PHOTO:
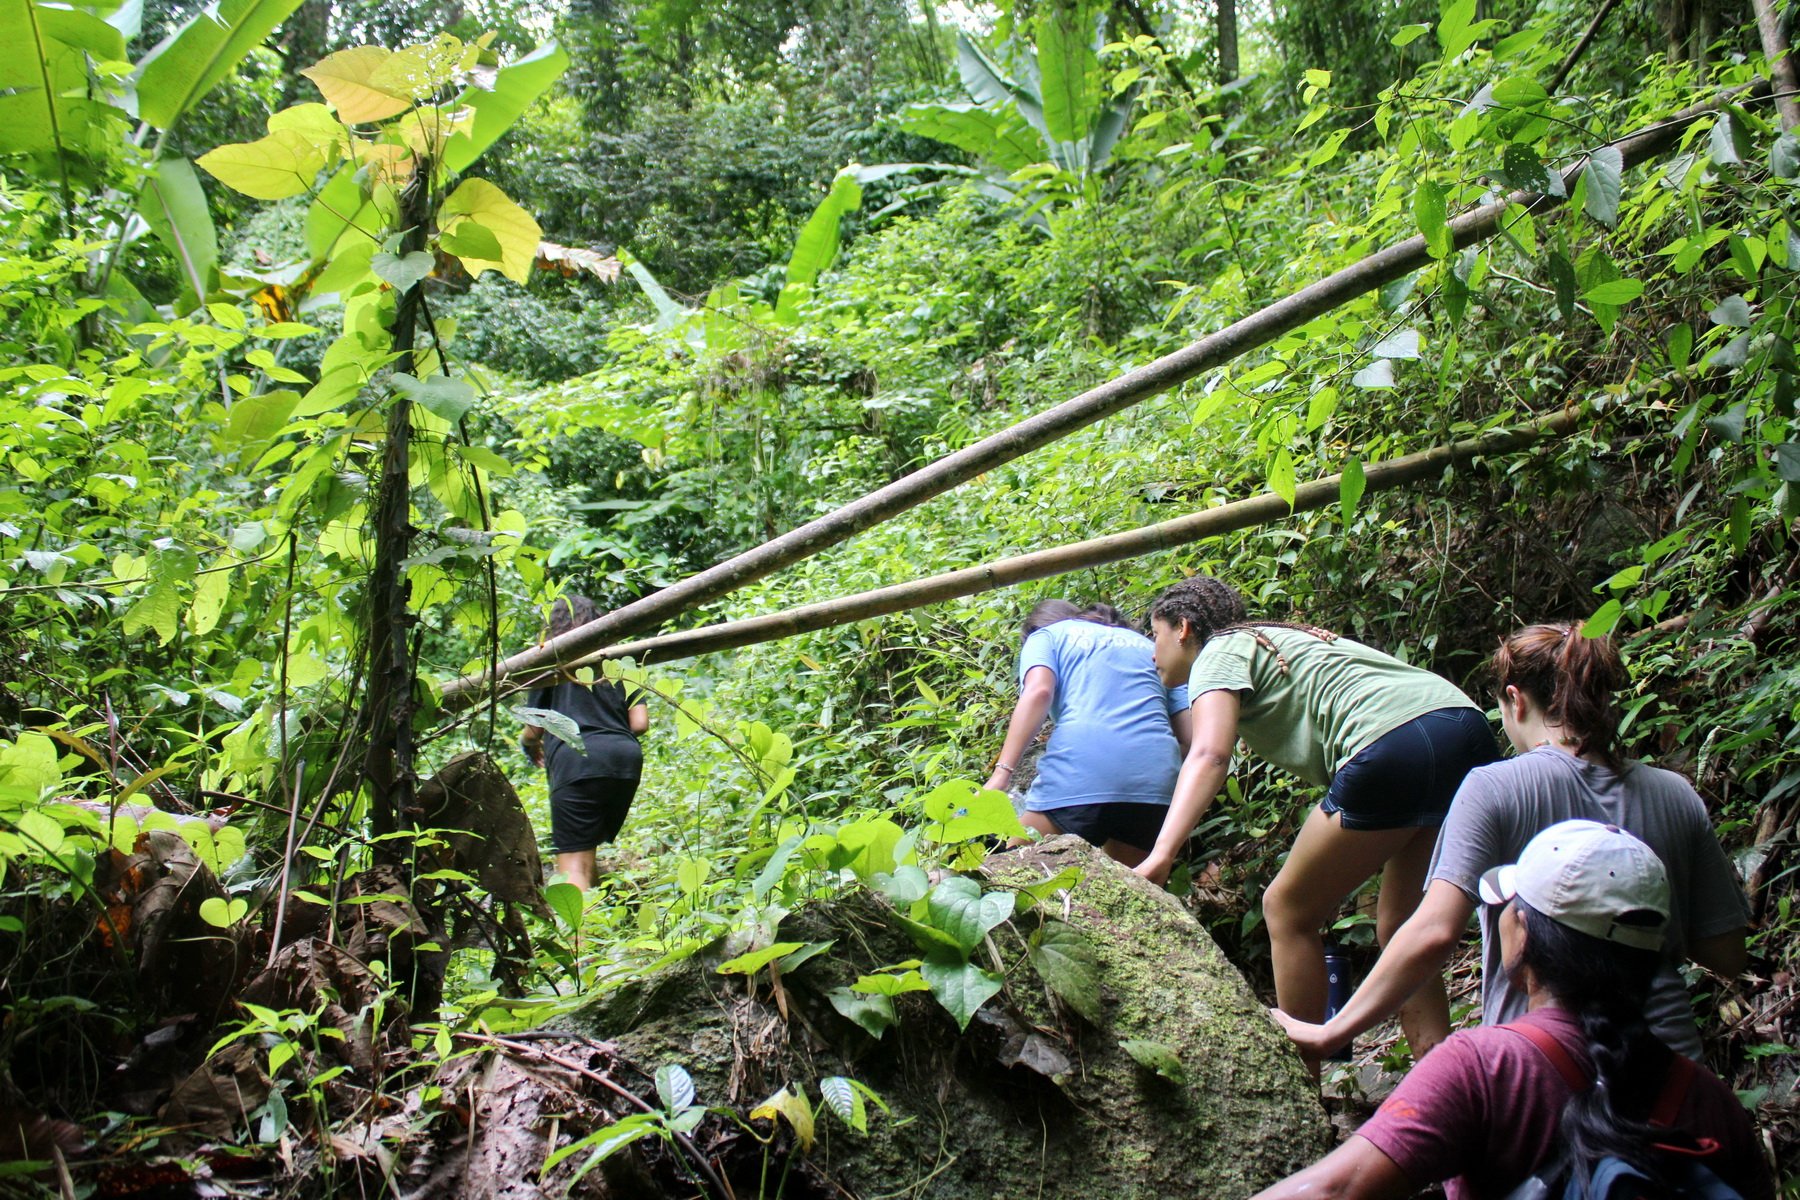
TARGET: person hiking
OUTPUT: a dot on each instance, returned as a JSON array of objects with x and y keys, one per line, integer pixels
[
  {"x": 1555, "y": 690},
  {"x": 1579, "y": 1086},
  {"x": 590, "y": 792},
  {"x": 1389, "y": 742},
  {"x": 1118, "y": 733}
]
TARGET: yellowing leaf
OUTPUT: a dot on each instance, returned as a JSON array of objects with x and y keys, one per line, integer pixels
[
  {"x": 313, "y": 121},
  {"x": 795, "y": 1109},
  {"x": 512, "y": 227},
  {"x": 427, "y": 129},
  {"x": 389, "y": 163},
  {"x": 345, "y": 80},
  {"x": 419, "y": 71},
  {"x": 272, "y": 168}
]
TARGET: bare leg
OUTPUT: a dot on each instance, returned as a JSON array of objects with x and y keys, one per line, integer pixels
[
  {"x": 1327, "y": 863},
  {"x": 1124, "y": 852},
  {"x": 1426, "y": 1016},
  {"x": 1041, "y": 822},
  {"x": 578, "y": 868}
]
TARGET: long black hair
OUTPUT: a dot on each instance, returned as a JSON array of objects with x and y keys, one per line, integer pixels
[
  {"x": 1049, "y": 612},
  {"x": 1603, "y": 985}
]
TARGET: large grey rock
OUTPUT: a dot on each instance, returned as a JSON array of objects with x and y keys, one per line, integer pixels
[{"x": 971, "y": 1117}]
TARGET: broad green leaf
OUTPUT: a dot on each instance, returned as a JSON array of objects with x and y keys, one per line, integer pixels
[
  {"x": 1614, "y": 291},
  {"x": 1520, "y": 91},
  {"x": 1722, "y": 142},
  {"x": 221, "y": 913},
  {"x": 674, "y": 1087},
  {"x": 1733, "y": 311},
  {"x": 873, "y": 1014},
  {"x": 817, "y": 244},
  {"x": 1604, "y": 174},
  {"x": 480, "y": 201},
  {"x": 756, "y": 960},
  {"x": 1066, "y": 960},
  {"x": 285, "y": 163},
  {"x": 346, "y": 78},
  {"x": 1281, "y": 476},
  {"x": 890, "y": 984},
  {"x": 906, "y": 885},
  {"x": 1430, "y": 207},
  {"x": 1787, "y": 461},
  {"x": 1605, "y": 618},
  {"x": 607, "y": 1141},
  {"x": 845, "y": 1102},
  {"x": 1000, "y": 137},
  {"x": 1350, "y": 488},
  {"x": 1523, "y": 169},
  {"x": 1320, "y": 406},
  {"x": 1680, "y": 344},
  {"x": 402, "y": 273},
  {"x": 869, "y": 846},
  {"x": 194, "y": 59},
  {"x": 443, "y": 395},
  {"x": 212, "y": 588},
  {"x": 961, "y": 987},
  {"x": 1068, "y": 71},
  {"x": 559, "y": 725},
  {"x": 691, "y": 874},
  {"x": 1409, "y": 34},
  {"x": 966, "y": 811},
  {"x": 1562, "y": 283},
  {"x": 1454, "y": 17},
  {"x": 44, "y": 86},
  {"x": 1784, "y": 157},
  {"x": 174, "y": 204},
  {"x": 516, "y": 87},
  {"x": 160, "y": 606},
  {"x": 565, "y": 901},
  {"x": 959, "y": 908},
  {"x": 1156, "y": 1056},
  {"x": 471, "y": 240},
  {"x": 42, "y": 833},
  {"x": 28, "y": 769},
  {"x": 1041, "y": 891},
  {"x": 256, "y": 419}
]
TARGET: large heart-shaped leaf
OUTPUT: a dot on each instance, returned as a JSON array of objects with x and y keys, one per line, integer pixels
[
  {"x": 960, "y": 986},
  {"x": 1065, "y": 959},
  {"x": 959, "y": 908}
]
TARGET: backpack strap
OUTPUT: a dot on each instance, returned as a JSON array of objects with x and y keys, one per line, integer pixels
[
  {"x": 1675, "y": 1090},
  {"x": 1558, "y": 1054}
]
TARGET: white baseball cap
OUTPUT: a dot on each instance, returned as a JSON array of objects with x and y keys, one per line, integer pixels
[{"x": 1589, "y": 877}]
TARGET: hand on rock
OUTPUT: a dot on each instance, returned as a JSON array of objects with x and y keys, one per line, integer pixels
[
  {"x": 1310, "y": 1038},
  {"x": 1155, "y": 869}
]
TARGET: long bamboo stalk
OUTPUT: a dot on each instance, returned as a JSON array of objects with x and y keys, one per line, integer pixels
[
  {"x": 1077, "y": 556},
  {"x": 1214, "y": 350}
]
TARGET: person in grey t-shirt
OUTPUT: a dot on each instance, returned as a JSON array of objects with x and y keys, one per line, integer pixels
[{"x": 1555, "y": 692}]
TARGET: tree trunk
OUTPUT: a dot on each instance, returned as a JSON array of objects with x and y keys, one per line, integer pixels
[
  {"x": 1228, "y": 41},
  {"x": 388, "y": 708},
  {"x": 1781, "y": 63},
  {"x": 1078, "y": 556},
  {"x": 1239, "y": 338}
]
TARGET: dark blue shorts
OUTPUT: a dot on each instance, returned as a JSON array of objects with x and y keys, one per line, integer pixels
[
  {"x": 585, "y": 813},
  {"x": 1406, "y": 777},
  {"x": 1134, "y": 824}
]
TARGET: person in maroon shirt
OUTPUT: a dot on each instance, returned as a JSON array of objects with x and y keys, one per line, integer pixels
[{"x": 1491, "y": 1107}]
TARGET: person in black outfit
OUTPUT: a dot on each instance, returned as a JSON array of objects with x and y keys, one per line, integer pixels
[{"x": 589, "y": 794}]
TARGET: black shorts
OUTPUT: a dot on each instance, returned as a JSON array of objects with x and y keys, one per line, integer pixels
[
  {"x": 1407, "y": 776},
  {"x": 587, "y": 812},
  {"x": 1134, "y": 824}
]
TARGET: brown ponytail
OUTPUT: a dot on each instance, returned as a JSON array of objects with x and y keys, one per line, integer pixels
[{"x": 1572, "y": 678}]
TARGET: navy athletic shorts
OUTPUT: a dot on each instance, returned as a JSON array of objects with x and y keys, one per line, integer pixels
[
  {"x": 587, "y": 812},
  {"x": 1407, "y": 776},
  {"x": 1134, "y": 824}
]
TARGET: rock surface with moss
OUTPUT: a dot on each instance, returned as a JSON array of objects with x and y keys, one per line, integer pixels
[{"x": 1032, "y": 1095}]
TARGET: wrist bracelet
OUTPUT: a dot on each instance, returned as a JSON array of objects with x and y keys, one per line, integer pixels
[{"x": 1003, "y": 767}]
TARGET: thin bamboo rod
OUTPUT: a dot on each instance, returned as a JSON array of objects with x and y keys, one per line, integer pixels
[
  {"x": 1077, "y": 556},
  {"x": 1154, "y": 378}
]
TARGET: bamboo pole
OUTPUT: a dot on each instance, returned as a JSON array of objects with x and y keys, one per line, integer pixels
[
  {"x": 1154, "y": 378},
  {"x": 1060, "y": 560}
]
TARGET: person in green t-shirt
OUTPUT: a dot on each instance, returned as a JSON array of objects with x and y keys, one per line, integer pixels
[{"x": 1389, "y": 742}]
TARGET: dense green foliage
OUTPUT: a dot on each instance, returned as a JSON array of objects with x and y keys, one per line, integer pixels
[{"x": 852, "y": 240}]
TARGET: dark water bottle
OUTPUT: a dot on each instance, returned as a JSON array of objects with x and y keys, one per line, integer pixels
[{"x": 1338, "y": 986}]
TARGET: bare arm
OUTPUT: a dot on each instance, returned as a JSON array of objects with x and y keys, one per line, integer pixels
[
  {"x": 532, "y": 738},
  {"x": 1181, "y": 724},
  {"x": 1027, "y": 718},
  {"x": 1417, "y": 949},
  {"x": 1215, "y": 718},
  {"x": 1723, "y": 953},
  {"x": 637, "y": 718},
  {"x": 1356, "y": 1170}
]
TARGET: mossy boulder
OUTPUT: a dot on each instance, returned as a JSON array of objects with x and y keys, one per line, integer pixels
[{"x": 1032, "y": 1099}]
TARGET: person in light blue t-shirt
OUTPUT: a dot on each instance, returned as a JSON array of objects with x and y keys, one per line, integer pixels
[{"x": 1119, "y": 734}]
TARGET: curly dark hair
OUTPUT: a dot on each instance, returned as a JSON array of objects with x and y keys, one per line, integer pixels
[{"x": 1208, "y": 605}]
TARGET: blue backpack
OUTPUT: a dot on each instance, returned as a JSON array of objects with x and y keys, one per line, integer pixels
[{"x": 1612, "y": 1178}]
